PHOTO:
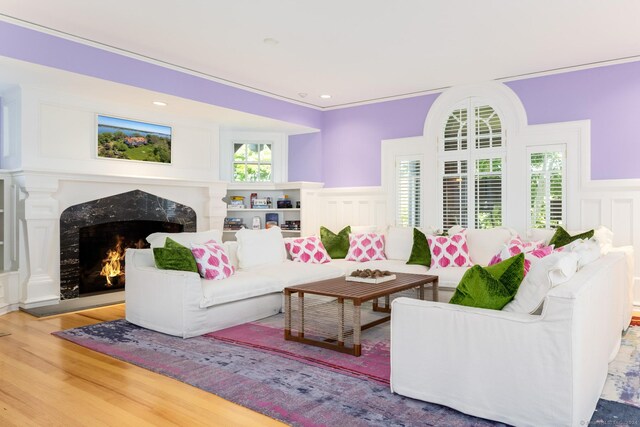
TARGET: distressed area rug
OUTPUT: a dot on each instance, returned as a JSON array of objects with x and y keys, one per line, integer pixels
[{"x": 294, "y": 391}]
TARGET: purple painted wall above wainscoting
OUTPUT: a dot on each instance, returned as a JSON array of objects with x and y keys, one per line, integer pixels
[
  {"x": 608, "y": 96},
  {"x": 351, "y": 138},
  {"x": 40, "y": 48}
]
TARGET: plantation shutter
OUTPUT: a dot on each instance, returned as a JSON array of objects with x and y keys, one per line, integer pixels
[
  {"x": 454, "y": 193},
  {"x": 546, "y": 188},
  {"x": 472, "y": 158},
  {"x": 408, "y": 192},
  {"x": 488, "y": 193}
]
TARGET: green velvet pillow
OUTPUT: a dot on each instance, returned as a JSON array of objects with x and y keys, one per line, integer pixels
[
  {"x": 561, "y": 237},
  {"x": 490, "y": 287},
  {"x": 337, "y": 245},
  {"x": 420, "y": 253},
  {"x": 174, "y": 256}
]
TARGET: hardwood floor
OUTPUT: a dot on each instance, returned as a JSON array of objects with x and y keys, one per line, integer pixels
[{"x": 45, "y": 380}]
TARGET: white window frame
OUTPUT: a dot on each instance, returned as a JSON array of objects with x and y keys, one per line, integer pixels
[
  {"x": 413, "y": 148},
  {"x": 547, "y": 149},
  {"x": 279, "y": 153},
  {"x": 471, "y": 155}
]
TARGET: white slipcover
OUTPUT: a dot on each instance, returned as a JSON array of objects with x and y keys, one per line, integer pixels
[{"x": 521, "y": 369}]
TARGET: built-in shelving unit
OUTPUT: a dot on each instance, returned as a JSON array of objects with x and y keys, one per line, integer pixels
[{"x": 297, "y": 192}]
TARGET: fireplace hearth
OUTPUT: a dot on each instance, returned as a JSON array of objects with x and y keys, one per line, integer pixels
[{"x": 95, "y": 235}]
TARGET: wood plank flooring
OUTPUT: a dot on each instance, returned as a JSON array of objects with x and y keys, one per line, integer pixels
[{"x": 45, "y": 380}]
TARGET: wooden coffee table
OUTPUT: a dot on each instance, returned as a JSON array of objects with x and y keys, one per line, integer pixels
[{"x": 357, "y": 293}]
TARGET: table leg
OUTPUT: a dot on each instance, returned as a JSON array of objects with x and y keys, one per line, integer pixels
[
  {"x": 435, "y": 290},
  {"x": 287, "y": 314},
  {"x": 421, "y": 292},
  {"x": 387, "y": 302},
  {"x": 356, "y": 329},
  {"x": 301, "y": 308},
  {"x": 341, "y": 322}
]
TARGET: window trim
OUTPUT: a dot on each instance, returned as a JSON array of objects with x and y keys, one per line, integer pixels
[{"x": 547, "y": 148}]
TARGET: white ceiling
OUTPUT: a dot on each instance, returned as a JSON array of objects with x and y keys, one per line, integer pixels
[{"x": 355, "y": 50}]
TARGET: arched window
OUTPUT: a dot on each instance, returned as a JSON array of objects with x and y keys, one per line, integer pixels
[{"x": 471, "y": 166}]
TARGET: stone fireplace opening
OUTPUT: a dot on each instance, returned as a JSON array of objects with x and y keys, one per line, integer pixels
[
  {"x": 95, "y": 235},
  {"x": 102, "y": 248}
]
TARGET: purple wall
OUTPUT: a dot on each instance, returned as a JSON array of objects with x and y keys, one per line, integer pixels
[
  {"x": 305, "y": 157},
  {"x": 45, "y": 49},
  {"x": 608, "y": 96},
  {"x": 351, "y": 138},
  {"x": 347, "y": 151}
]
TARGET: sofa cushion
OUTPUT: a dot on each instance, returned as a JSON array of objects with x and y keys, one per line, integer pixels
[
  {"x": 562, "y": 238},
  {"x": 291, "y": 273},
  {"x": 260, "y": 247},
  {"x": 212, "y": 260},
  {"x": 174, "y": 256},
  {"x": 586, "y": 250},
  {"x": 544, "y": 274},
  {"x": 157, "y": 240},
  {"x": 449, "y": 251},
  {"x": 398, "y": 242},
  {"x": 420, "y": 253},
  {"x": 490, "y": 287},
  {"x": 485, "y": 243},
  {"x": 365, "y": 247},
  {"x": 337, "y": 245},
  {"x": 308, "y": 250},
  {"x": 241, "y": 285}
]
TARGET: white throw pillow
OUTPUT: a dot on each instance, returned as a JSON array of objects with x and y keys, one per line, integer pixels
[
  {"x": 156, "y": 240},
  {"x": 544, "y": 274},
  {"x": 398, "y": 243},
  {"x": 588, "y": 250},
  {"x": 485, "y": 243},
  {"x": 260, "y": 247}
]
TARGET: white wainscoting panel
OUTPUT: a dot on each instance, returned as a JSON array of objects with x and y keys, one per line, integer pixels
[{"x": 339, "y": 207}]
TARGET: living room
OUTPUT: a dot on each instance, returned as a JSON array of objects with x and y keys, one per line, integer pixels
[{"x": 304, "y": 127}]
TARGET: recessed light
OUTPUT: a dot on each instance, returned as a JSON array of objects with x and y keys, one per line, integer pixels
[
  {"x": 160, "y": 103},
  {"x": 270, "y": 41},
  {"x": 325, "y": 96},
  {"x": 303, "y": 94}
]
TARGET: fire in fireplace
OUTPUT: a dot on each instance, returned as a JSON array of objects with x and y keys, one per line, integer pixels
[{"x": 103, "y": 247}]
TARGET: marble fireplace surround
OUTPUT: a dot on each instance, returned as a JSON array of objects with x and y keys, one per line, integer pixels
[
  {"x": 43, "y": 196},
  {"x": 130, "y": 206}
]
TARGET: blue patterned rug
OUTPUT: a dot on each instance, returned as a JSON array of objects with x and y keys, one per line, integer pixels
[{"x": 294, "y": 392}]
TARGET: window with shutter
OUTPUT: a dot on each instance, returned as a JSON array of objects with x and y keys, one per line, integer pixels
[
  {"x": 546, "y": 186},
  {"x": 408, "y": 192},
  {"x": 472, "y": 156}
]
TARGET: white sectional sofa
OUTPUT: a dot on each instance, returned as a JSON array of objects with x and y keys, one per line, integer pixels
[
  {"x": 521, "y": 369},
  {"x": 183, "y": 304}
]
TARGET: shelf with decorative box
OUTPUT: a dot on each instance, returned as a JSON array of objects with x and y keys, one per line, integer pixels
[{"x": 290, "y": 205}]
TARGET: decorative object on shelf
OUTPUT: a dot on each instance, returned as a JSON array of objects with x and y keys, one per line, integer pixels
[
  {"x": 237, "y": 202},
  {"x": 233, "y": 223},
  {"x": 252, "y": 198},
  {"x": 262, "y": 203},
  {"x": 255, "y": 224},
  {"x": 370, "y": 276},
  {"x": 271, "y": 220},
  {"x": 284, "y": 204},
  {"x": 298, "y": 204},
  {"x": 291, "y": 225}
]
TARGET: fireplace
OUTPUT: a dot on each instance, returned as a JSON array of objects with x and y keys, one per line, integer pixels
[
  {"x": 102, "y": 248},
  {"x": 95, "y": 235}
]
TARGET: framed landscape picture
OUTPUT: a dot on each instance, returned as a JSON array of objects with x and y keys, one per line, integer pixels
[{"x": 132, "y": 140}]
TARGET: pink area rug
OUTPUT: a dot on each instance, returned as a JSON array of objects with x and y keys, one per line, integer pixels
[{"x": 374, "y": 363}]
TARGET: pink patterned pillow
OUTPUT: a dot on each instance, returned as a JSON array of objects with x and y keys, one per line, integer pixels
[
  {"x": 365, "y": 247},
  {"x": 308, "y": 249},
  {"x": 529, "y": 257},
  {"x": 212, "y": 260},
  {"x": 514, "y": 247},
  {"x": 449, "y": 251}
]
